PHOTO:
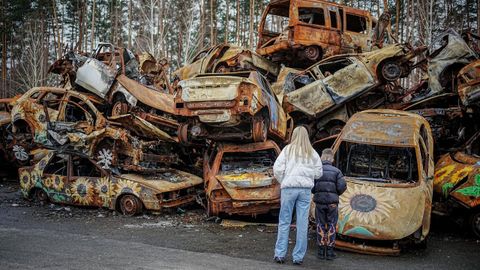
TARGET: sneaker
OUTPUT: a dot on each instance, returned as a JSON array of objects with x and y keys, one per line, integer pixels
[
  {"x": 297, "y": 262},
  {"x": 279, "y": 260}
]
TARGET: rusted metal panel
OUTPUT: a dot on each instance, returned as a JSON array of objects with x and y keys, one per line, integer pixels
[
  {"x": 239, "y": 179},
  {"x": 153, "y": 98},
  {"x": 469, "y": 83},
  {"x": 393, "y": 204},
  {"x": 226, "y": 58}
]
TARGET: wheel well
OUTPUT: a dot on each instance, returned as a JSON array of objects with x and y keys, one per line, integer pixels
[
  {"x": 32, "y": 192},
  {"x": 118, "y": 96},
  {"x": 21, "y": 126}
]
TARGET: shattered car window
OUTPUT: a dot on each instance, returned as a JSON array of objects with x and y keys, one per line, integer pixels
[
  {"x": 84, "y": 167},
  {"x": 51, "y": 100},
  {"x": 58, "y": 165},
  {"x": 276, "y": 23},
  {"x": 356, "y": 23},
  {"x": 243, "y": 162},
  {"x": 75, "y": 112},
  {"x": 378, "y": 163}
]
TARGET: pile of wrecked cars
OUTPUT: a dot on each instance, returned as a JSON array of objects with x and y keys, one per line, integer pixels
[{"x": 119, "y": 131}]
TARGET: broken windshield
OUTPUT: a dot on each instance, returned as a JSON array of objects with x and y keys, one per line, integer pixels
[
  {"x": 247, "y": 162},
  {"x": 378, "y": 163}
]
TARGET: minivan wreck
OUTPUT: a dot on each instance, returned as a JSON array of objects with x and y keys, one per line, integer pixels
[
  {"x": 305, "y": 31},
  {"x": 239, "y": 179},
  {"x": 387, "y": 159}
]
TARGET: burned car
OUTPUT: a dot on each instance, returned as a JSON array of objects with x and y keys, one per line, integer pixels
[
  {"x": 337, "y": 80},
  {"x": 226, "y": 58},
  {"x": 113, "y": 75},
  {"x": 387, "y": 159},
  {"x": 60, "y": 118},
  {"x": 457, "y": 184},
  {"x": 239, "y": 179},
  {"x": 469, "y": 83},
  {"x": 305, "y": 31},
  {"x": 77, "y": 180},
  {"x": 230, "y": 106},
  {"x": 447, "y": 55}
]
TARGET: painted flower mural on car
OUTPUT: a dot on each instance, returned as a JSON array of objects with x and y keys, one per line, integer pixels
[
  {"x": 126, "y": 186},
  {"x": 25, "y": 181},
  {"x": 103, "y": 190},
  {"x": 365, "y": 205},
  {"x": 82, "y": 191}
]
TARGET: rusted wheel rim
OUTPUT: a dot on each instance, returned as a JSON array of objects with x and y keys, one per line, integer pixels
[
  {"x": 119, "y": 108},
  {"x": 391, "y": 71},
  {"x": 129, "y": 205},
  {"x": 259, "y": 129},
  {"x": 312, "y": 53},
  {"x": 41, "y": 196}
]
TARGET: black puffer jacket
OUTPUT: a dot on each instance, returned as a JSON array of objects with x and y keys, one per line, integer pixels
[{"x": 330, "y": 186}]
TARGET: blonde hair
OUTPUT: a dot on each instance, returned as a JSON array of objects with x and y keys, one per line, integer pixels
[
  {"x": 300, "y": 146},
  {"x": 327, "y": 154}
]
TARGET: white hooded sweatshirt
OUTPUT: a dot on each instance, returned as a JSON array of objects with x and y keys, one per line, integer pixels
[{"x": 299, "y": 172}]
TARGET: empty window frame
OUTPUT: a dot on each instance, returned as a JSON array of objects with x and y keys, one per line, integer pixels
[
  {"x": 314, "y": 16},
  {"x": 356, "y": 23}
]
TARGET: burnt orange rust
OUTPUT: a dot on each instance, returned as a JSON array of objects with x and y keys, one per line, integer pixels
[
  {"x": 365, "y": 249},
  {"x": 90, "y": 135},
  {"x": 230, "y": 106},
  {"x": 224, "y": 58},
  {"x": 254, "y": 198},
  {"x": 311, "y": 38},
  {"x": 469, "y": 83},
  {"x": 395, "y": 197}
]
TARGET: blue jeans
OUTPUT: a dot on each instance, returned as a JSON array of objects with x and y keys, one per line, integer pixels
[{"x": 289, "y": 198}]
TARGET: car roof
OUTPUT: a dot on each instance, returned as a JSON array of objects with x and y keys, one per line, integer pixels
[{"x": 384, "y": 127}]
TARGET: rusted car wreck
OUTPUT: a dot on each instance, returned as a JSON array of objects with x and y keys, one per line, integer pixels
[
  {"x": 387, "y": 159},
  {"x": 230, "y": 106},
  {"x": 299, "y": 31},
  {"x": 239, "y": 179},
  {"x": 76, "y": 179}
]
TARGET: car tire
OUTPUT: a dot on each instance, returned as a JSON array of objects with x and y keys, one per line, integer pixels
[
  {"x": 474, "y": 223},
  {"x": 390, "y": 71},
  {"x": 130, "y": 205},
  {"x": 41, "y": 196}
]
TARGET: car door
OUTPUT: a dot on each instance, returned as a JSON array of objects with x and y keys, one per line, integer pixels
[
  {"x": 278, "y": 117},
  {"x": 55, "y": 179},
  {"x": 44, "y": 111},
  {"x": 88, "y": 183}
]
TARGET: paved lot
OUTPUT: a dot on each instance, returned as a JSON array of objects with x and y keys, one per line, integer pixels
[{"x": 58, "y": 237}]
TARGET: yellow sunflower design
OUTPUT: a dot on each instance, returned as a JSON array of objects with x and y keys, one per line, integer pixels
[
  {"x": 367, "y": 205},
  {"x": 57, "y": 182},
  {"x": 127, "y": 186},
  {"x": 48, "y": 182},
  {"x": 103, "y": 188},
  {"x": 25, "y": 180},
  {"x": 82, "y": 191}
]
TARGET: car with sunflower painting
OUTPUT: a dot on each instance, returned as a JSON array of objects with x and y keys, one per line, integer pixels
[
  {"x": 456, "y": 185},
  {"x": 387, "y": 159},
  {"x": 68, "y": 178}
]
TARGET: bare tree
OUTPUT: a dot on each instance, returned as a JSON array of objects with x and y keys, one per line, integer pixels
[
  {"x": 93, "y": 27},
  {"x": 250, "y": 41},
  {"x": 32, "y": 70},
  {"x": 237, "y": 27}
]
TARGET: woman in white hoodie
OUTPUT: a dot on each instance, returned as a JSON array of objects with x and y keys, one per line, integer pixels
[{"x": 295, "y": 169}]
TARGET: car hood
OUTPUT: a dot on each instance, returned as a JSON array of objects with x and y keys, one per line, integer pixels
[
  {"x": 378, "y": 212},
  {"x": 170, "y": 180},
  {"x": 250, "y": 186}
]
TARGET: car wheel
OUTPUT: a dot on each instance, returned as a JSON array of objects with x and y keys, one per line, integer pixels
[
  {"x": 475, "y": 223},
  {"x": 130, "y": 205},
  {"x": 259, "y": 129},
  {"x": 313, "y": 53},
  {"x": 391, "y": 71},
  {"x": 41, "y": 196},
  {"x": 120, "y": 107}
]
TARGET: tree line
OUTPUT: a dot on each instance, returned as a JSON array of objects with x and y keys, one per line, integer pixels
[{"x": 36, "y": 33}]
